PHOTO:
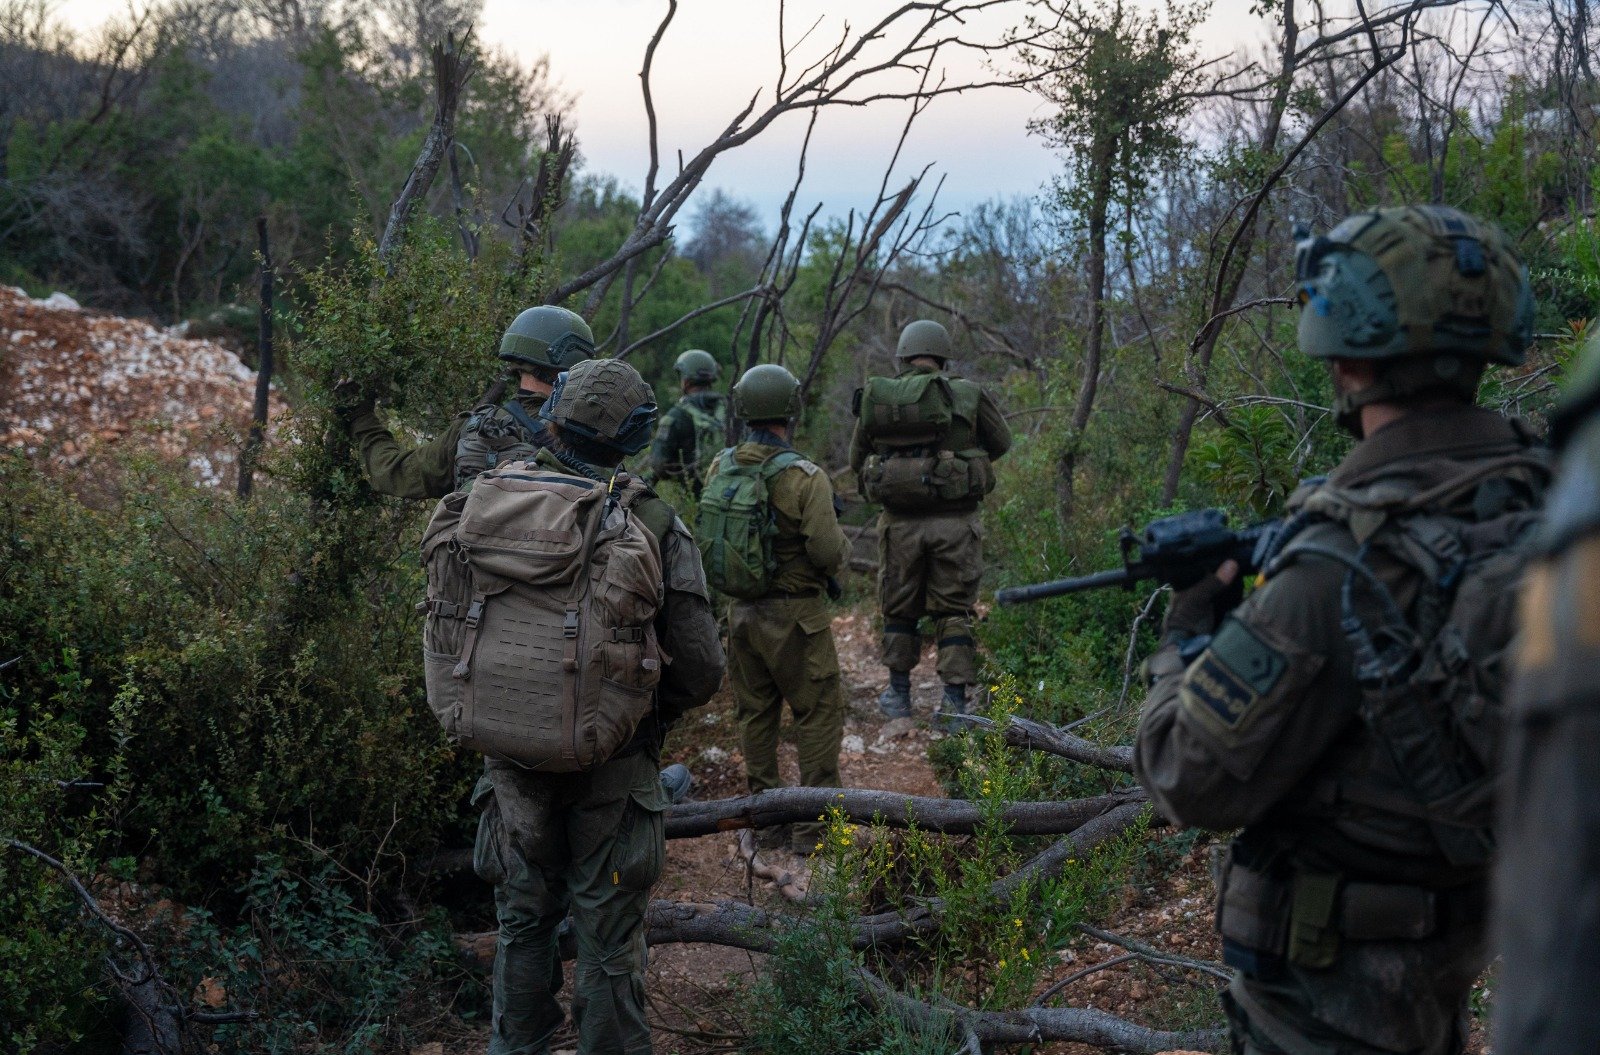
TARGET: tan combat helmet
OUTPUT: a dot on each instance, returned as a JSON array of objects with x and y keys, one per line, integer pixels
[
  {"x": 605, "y": 402},
  {"x": 1430, "y": 292}
]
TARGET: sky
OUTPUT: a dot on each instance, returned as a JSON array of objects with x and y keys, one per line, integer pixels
[{"x": 717, "y": 53}]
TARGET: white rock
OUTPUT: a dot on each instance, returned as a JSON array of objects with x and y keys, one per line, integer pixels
[
  {"x": 713, "y": 755},
  {"x": 60, "y": 300},
  {"x": 896, "y": 729},
  {"x": 852, "y": 745}
]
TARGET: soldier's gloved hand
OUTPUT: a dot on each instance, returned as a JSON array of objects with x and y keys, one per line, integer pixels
[
  {"x": 1196, "y": 610},
  {"x": 351, "y": 399},
  {"x": 835, "y": 591}
]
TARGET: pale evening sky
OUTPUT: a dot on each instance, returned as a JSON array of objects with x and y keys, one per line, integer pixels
[{"x": 717, "y": 53}]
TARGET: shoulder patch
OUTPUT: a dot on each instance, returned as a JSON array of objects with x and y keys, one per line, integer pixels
[
  {"x": 811, "y": 468},
  {"x": 1231, "y": 676}
]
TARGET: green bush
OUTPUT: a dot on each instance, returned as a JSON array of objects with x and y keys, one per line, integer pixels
[
  {"x": 320, "y": 972},
  {"x": 267, "y": 704}
]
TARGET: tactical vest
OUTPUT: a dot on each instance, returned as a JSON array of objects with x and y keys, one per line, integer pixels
[
  {"x": 539, "y": 646},
  {"x": 923, "y": 461},
  {"x": 494, "y": 435},
  {"x": 1428, "y": 608},
  {"x": 710, "y": 428}
]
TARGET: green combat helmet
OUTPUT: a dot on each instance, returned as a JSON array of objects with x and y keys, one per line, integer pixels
[
  {"x": 923, "y": 337},
  {"x": 697, "y": 367},
  {"x": 604, "y": 402},
  {"x": 766, "y": 393},
  {"x": 1426, "y": 289},
  {"x": 548, "y": 337}
]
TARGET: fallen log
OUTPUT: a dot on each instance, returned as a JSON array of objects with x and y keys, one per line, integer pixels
[
  {"x": 1036, "y": 1025},
  {"x": 742, "y": 926},
  {"x": 767, "y": 809},
  {"x": 1029, "y": 735}
]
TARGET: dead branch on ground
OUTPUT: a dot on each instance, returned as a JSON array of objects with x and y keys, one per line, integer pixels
[{"x": 768, "y": 809}]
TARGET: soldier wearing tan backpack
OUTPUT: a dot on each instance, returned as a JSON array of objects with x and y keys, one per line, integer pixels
[{"x": 567, "y": 629}]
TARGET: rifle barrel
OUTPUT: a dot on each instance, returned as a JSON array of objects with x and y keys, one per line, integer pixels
[{"x": 1039, "y": 591}]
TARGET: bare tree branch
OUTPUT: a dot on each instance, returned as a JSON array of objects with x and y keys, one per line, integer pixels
[{"x": 452, "y": 68}]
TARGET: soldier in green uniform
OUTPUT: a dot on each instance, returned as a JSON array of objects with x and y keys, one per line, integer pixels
[
  {"x": 539, "y": 344},
  {"x": 930, "y": 548},
  {"x": 780, "y": 645},
  {"x": 1547, "y": 908},
  {"x": 691, "y": 433},
  {"x": 1353, "y": 903},
  {"x": 593, "y": 842}
]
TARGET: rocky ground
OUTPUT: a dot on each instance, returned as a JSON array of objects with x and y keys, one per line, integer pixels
[{"x": 76, "y": 383}]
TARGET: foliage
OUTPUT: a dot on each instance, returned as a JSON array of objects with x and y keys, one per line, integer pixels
[
  {"x": 51, "y": 951},
  {"x": 988, "y": 951},
  {"x": 249, "y": 700},
  {"x": 317, "y": 968}
]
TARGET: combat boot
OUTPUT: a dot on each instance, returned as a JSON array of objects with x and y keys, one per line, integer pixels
[
  {"x": 676, "y": 780},
  {"x": 954, "y": 703},
  {"x": 895, "y": 701}
]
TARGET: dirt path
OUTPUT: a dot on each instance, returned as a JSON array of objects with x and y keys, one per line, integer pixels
[{"x": 694, "y": 987}]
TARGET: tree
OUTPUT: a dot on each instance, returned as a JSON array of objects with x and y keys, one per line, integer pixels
[{"x": 1121, "y": 83}]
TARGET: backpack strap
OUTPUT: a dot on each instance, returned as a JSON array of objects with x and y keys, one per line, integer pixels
[
  {"x": 520, "y": 416},
  {"x": 775, "y": 463}
]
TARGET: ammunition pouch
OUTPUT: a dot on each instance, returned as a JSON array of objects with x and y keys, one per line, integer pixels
[
  {"x": 916, "y": 480},
  {"x": 1269, "y": 919}
]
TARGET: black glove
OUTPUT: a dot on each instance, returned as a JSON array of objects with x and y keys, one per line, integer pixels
[
  {"x": 1196, "y": 610},
  {"x": 835, "y": 591},
  {"x": 351, "y": 399}
]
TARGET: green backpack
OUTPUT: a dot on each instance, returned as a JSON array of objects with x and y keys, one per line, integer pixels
[
  {"x": 734, "y": 525},
  {"x": 911, "y": 410},
  {"x": 710, "y": 428}
]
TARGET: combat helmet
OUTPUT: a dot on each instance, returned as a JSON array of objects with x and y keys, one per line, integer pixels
[
  {"x": 604, "y": 403},
  {"x": 1430, "y": 292},
  {"x": 697, "y": 367},
  {"x": 766, "y": 393},
  {"x": 547, "y": 337},
  {"x": 923, "y": 337}
]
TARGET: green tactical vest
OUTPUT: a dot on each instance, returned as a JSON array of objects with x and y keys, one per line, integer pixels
[
  {"x": 734, "y": 525},
  {"x": 494, "y": 435},
  {"x": 710, "y": 427},
  {"x": 923, "y": 428}
]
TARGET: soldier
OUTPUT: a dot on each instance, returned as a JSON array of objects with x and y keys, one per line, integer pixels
[
  {"x": 593, "y": 841},
  {"x": 1344, "y": 715},
  {"x": 922, "y": 448},
  {"x": 780, "y": 639},
  {"x": 1547, "y": 909},
  {"x": 539, "y": 344},
  {"x": 691, "y": 433}
]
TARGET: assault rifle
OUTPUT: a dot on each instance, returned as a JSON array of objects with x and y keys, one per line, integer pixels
[{"x": 1176, "y": 551}]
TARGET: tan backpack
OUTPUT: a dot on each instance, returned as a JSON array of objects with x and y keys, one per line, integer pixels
[{"x": 539, "y": 644}]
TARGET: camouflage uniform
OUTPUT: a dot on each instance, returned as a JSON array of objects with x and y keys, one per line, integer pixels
[
  {"x": 592, "y": 842},
  {"x": 1547, "y": 909},
  {"x": 1352, "y": 933},
  {"x": 491, "y": 434},
  {"x": 930, "y": 565},
  {"x": 781, "y": 646},
  {"x": 675, "y": 453}
]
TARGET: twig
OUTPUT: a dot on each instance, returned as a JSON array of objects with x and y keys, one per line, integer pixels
[
  {"x": 786, "y": 882},
  {"x": 1152, "y": 953},
  {"x": 1133, "y": 642}
]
